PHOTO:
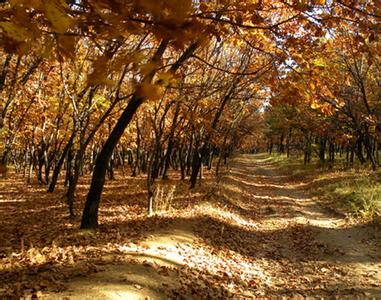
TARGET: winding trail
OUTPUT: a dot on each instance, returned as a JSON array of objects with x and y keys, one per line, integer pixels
[
  {"x": 318, "y": 243},
  {"x": 264, "y": 236}
]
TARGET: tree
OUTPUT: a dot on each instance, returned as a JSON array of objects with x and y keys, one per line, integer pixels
[{"x": 140, "y": 50}]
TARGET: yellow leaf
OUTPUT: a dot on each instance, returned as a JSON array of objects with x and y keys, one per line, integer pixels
[
  {"x": 15, "y": 32},
  {"x": 66, "y": 45},
  {"x": 319, "y": 63},
  {"x": 47, "y": 48},
  {"x": 149, "y": 91},
  {"x": 55, "y": 11},
  {"x": 179, "y": 9},
  {"x": 99, "y": 73},
  {"x": 147, "y": 68},
  {"x": 315, "y": 105},
  {"x": 165, "y": 78}
]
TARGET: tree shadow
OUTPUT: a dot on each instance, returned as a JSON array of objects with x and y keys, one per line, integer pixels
[
  {"x": 330, "y": 291},
  {"x": 319, "y": 182},
  {"x": 294, "y": 242},
  {"x": 263, "y": 204},
  {"x": 295, "y": 245},
  {"x": 127, "y": 277},
  {"x": 123, "y": 220}
]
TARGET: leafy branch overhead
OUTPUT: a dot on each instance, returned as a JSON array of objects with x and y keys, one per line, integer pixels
[{"x": 147, "y": 103}]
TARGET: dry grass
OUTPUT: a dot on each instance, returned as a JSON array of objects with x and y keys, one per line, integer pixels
[{"x": 356, "y": 191}]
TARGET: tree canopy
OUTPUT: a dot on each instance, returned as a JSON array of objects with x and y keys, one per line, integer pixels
[{"x": 85, "y": 83}]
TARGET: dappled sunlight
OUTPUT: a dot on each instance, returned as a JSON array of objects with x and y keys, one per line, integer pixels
[
  {"x": 183, "y": 149},
  {"x": 252, "y": 236},
  {"x": 11, "y": 200},
  {"x": 170, "y": 257},
  {"x": 264, "y": 184},
  {"x": 220, "y": 213},
  {"x": 124, "y": 294}
]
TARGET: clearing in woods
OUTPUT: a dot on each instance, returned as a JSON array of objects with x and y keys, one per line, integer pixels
[{"x": 259, "y": 234}]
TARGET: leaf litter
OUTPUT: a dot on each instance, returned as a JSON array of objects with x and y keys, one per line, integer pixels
[{"x": 224, "y": 244}]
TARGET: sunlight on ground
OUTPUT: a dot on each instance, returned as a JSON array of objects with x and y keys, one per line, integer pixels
[
  {"x": 167, "y": 256},
  {"x": 219, "y": 213},
  {"x": 232, "y": 187},
  {"x": 266, "y": 185},
  {"x": 111, "y": 295},
  {"x": 11, "y": 201},
  {"x": 264, "y": 236}
]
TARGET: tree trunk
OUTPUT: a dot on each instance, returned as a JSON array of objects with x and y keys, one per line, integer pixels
[
  {"x": 59, "y": 164},
  {"x": 359, "y": 152},
  {"x": 322, "y": 147},
  {"x": 170, "y": 142},
  {"x": 137, "y": 159},
  {"x": 90, "y": 212}
]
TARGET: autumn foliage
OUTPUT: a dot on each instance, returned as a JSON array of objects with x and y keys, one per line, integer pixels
[{"x": 167, "y": 90}]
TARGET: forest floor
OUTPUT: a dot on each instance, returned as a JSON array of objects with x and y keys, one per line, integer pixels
[{"x": 258, "y": 234}]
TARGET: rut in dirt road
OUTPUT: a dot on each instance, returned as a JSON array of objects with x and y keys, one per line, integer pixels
[{"x": 323, "y": 253}]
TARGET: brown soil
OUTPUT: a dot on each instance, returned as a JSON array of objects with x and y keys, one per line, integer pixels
[{"x": 258, "y": 235}]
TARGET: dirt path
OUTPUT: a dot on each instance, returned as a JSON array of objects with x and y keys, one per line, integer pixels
[
  {"x": 143, "y": 270},
  {"x": 263, "y": 236},
  {"x": 342, "y": 259}
]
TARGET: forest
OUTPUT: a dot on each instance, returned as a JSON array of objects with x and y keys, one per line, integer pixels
[{"x": 190, "y": 149}]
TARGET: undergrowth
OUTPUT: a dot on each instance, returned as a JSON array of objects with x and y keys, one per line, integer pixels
[{"x": 360, "y": 196}]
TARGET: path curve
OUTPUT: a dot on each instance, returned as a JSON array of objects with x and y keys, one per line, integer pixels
[
  {"x": 352, "y": 253},
  {"x": 259, "y": 235}
]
